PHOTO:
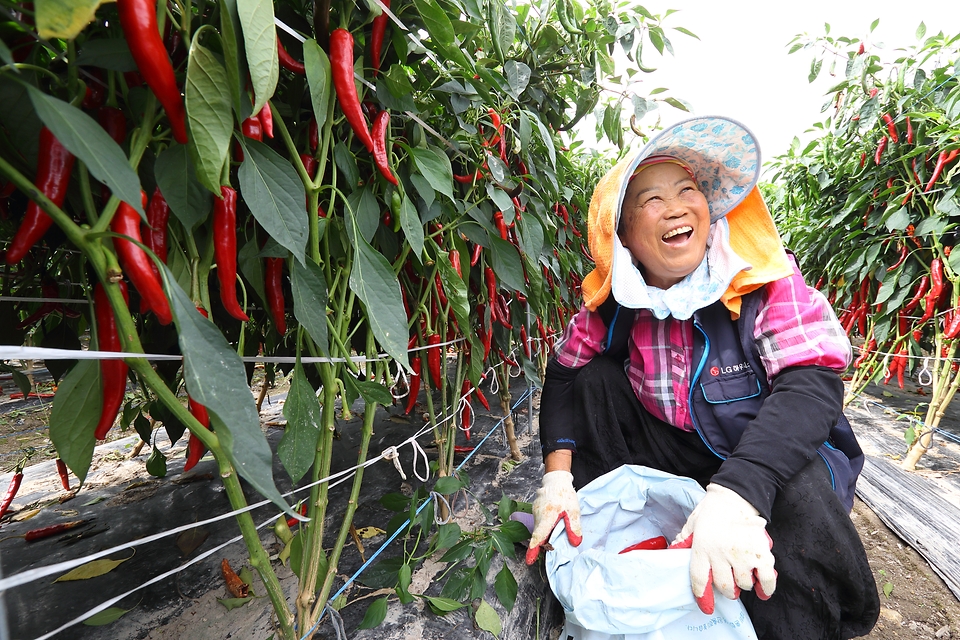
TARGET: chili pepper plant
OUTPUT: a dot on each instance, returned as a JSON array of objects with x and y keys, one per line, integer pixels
[
  {"x": 871, "y": 208},
  {"x": 400, "y": 207}
]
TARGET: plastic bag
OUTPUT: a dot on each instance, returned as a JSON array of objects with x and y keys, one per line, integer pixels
[{"x": 638, "y": 595}]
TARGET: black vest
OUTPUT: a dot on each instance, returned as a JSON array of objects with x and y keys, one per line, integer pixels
[{"x": 729, "y": 385}]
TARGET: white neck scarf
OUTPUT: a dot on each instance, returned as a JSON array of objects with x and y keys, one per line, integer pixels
[{"x": 698, "y": 290}]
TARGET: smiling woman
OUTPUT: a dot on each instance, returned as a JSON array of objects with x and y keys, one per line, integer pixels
[{"x": 710, "y": 382}]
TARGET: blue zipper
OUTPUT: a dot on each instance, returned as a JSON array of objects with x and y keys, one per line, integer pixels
[{"x": 696, "y": 377}]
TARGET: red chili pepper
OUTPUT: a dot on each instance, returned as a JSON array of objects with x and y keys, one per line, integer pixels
[
  {"x": 475, "y": 254},
  {"x": 524, "y": 341},
  {"x": 491, "y": 280},
  {"x": 250, "y": 128},
  {"x": 501, "y": 225},
  {"x": 650, "y": 544},
  {"x": 497, "y": 135},
  {"x": 292, "y": 522},
  {"x": 313, "y": 135},
  {"x": 155, "y": 232},
  {"x": 287, "y": 61},
  {"x": 909, "y": 131},
  {"x": 341, "y": 67},
  {"x": 309, "y": 163},
  {"x": 455, "y": 261},
  {"x": 93, "y": 97},
  {"x": 52, "y": 530},
  {"x": 113, "y": 371},
  {"x": 900, "y": 361},
  {"x": 273, "y": 287},
  {"x": 12, "y": 489},
  {"x": 937, "y": 169},
  {"x": 891, "y": 128},
  {"x": 863, "y": 158},
  {"x": 377, "y": 30},
  {"x": 54, "y": 164},
  {"x": 865, "y": 353},
  {"x": 380, "y": 154},
  {"x": 906, "y": 198},
  {"x": 414, "y": 385},
  {"x": 478, "y": 176},
  {"x": 225, "y": 250},
  {"x": 64, "y": 474},
  {"x": 138, "y": 18},
  {"x": 918, "y": 295},
  {"x": 195, "y": 448},
  {"x": 266, "y": 120},
  {"x": 951, "y": 325},
  {"x": 880, "y": 147},
  {"x": 900, "y": 260},
  {"x": 510, "y": 361},
  {"x": 482, "y": 398},
  {"x": 114, "y": 122},
  {"x": 434, "y": 359},
  {"x": 936, "y": 285},
  {"x": 440, "y": 293},
  {"x": 50, "y": 290},
  {"x": 135, "y": 262}
]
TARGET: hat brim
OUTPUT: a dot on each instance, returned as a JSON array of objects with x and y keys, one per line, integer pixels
[{"x": 722, "y": 152}]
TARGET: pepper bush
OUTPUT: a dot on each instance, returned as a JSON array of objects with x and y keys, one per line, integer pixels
[
  {"x": 871, "y": 208},
  {"x": 153, "y": 155}
]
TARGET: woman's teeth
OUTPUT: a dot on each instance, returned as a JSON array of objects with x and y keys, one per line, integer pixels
[{"x": 677, "y": 231}]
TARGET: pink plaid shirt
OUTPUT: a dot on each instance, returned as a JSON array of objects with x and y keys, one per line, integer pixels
[{"x": 795, "y": 327}]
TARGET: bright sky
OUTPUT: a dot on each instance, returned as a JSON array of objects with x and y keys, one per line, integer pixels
[{"x": 740, "y": 66}]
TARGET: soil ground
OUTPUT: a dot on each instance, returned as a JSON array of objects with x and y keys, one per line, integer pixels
[{"x": 915, "y": 601}]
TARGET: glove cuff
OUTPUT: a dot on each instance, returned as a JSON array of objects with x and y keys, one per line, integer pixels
[
  {"x": 733, "y": 499},
  {"x": 557, "y": 480}
]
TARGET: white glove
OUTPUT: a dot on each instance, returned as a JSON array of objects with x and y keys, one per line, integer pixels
[
  {"x": 731, "y": 548},
  {"x": 555, "y": 499}
]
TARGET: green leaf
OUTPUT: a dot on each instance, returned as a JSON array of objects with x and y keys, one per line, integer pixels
[
  {"x": 435, "y": 167},
  {"x": 375, "y": 614},
  {"x": 233, "y": 603},
  {"x": 298, "y": 446},
  {"x": 412, "y": 227},
  {"x": 447, "y": 535},
  {"x": 455, "y": 289},
  {"x": 207, "y": 99},
  {"x": 921, "y": 31},
  {"x": 105, "y": 617},
  {"x": 505, "y": 587},
  {"x": 84, "y": 138},
  {"x": 373, "y": 392},
  {"x": 318, "y": 77},
  {"x": 457, "y": 552},
  {"x": 503, "y": 544},
  {"x": 547, "y": 142},
  {"x": 677, "y": 103},
  {"x": 157, "y": 464},
  {"x": 395, "y": 502},
  {"x": 954, "y": 261},
  {"x": 373, "y": 280},
  {"x": 887, "y": 589},
  {"x": 5, "y": 54},
  {"x": 488, "y": 620},
  {"x": 507, "y": 265},
  {"x": 91, "y": 569},
  {"x": 260, "y": 42},
  {"x": 815, "y": 65},
  {"x": 514, "y": 531},
  {"x": 310, "y": 301},
  {"x": 64, "y": 18},
  {"x": 441, "y": 606},
  {"x": 442, "y": 36},
  {"x": 447, "y": 485},
  {"x": 76, "y": 411},
  {"x": 236, "y": 66},
  {"x": 897, "y": 220},
  {"x": 503, "y": 29},
  {"x": 107, "y": 53},
  {"x": 177, "y": 179},
  {"x": 273, "y": 191},
  {"x": 215, "y": 377}
]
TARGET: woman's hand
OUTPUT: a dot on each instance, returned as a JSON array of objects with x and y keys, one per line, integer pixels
[
  {"x": 731, "y": 548},
  {"x": 556, "y": 499}
]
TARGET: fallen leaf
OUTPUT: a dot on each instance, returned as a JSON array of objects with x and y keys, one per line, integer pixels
[
  {"x": 24, "y": 515},
  {"x": 91, "y": 570},
  {"x": 190, "y": 540},
  {"x": 233, "y": 603},
  {"x": 369, "y": 532},
  {"x": 106, "y": 616},
  {"x": 488, "y": 620}
]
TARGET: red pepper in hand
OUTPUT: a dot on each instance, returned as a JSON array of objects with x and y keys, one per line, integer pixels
[
  {"x": 414, "y": 385},
  {"x": 341, "y": 67},
  {"x": 377, "y": 30},
  {"x": 380, "y": 154},
  {"x": 266, "y": 120},
  {"x": 135, "y": 262},
  {"x": 650, "y": 544},
  {"x": 54, "y": 164},
  {"x": 138, "y": 18},
  {"x": 12, "y": 489},
  {"x": 64, "y": 474},
  {"x": 113, "y": 372},
  {"x": 434, "y": 359},
  {"x": 273, "y": 288},
  {"x": 225, "y": 250},
  {"x": 287, "y": 61}
]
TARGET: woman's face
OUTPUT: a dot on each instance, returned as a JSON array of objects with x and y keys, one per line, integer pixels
[{"x": 665, "y": 222}]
